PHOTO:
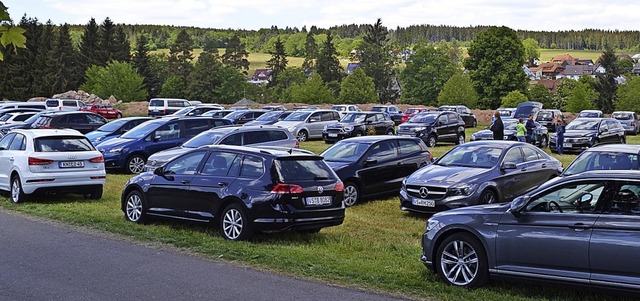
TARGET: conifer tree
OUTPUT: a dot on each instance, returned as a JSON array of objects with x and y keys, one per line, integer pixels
[
  {"x": 121, "y": 48},
  {"x": 310, "y": 52},
  {"x": 105, "y": 42},
  {"x": 181, "y": 56},
  {"x": 278, "y": 61},
  {"x": 142, "y": 63},
  {"x": 66, "y": 67},
  {"x": 328, "y": 66},
  {"x": 235, "y": 55},
  {"x": 89, "y": 45},
  {"x": 43, "y": 79}
]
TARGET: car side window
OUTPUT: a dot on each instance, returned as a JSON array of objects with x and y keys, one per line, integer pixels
[
  {"x": 195, "y": 126},
  {"x": 251, "y": 167},
  {"x": 256, "y": 137},
  {"x": 6, "y": 141},
  {"x": 570, "y": 198},
  {"x": 69, "y": 103},
  {"x": 217, "y": 123},
  {"x": 626, "y": 200},
  {"x": 315, "y": 117},
  {"x": 514, "y": 155},
  {"x": 603, "y": 126},
  {"x": 278, "y": 135},
  {"x": 169, "y": 131},
  {"x": 234, "y": 139},
  {"x": 530, "y": 154},
  {"x": 371, "y": 118},
  {"x": 327, "y": 116},
  {"x": 77, "y": 119},
  {"x": 18, "y": 143},
  {"x": 442, "y": 119},
  {"x": 93, "y": 119},
  {"x": 409, "y": 147},
  {"x": 185, "y": 165},
  {"x": 219, "y": 164},
  {"x": 383, "y": 151}
]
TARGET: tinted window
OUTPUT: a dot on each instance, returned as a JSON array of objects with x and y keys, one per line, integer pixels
[
  {"x": 195, "y": 126},
  {"x": 235, "y": 139},
  {"x": 345, "y": 151},
  {"x": 278, "y": 135},
  {"x": 256, "y": 137},
  {"x": 177, "y": 103},
  {"x": 51, "y": 103},
  {"x": 77, "y": 119},
  {"x": 602, "y": 161},
  {"x": 625, "y": 200},
  {"x": 156, "y": 103},
  {"x": 22, "y": 117},
  {"x": 62, "y": 144},
  {"x": 18, "y": 143},
  {"x": 218, "y": 164},
  {"x": 6, "y": 140},
  {"x": 409, "y": 146},
  {"x": 530, "y": 154},
  {"x": 94, "y": 119},
  {"x": 168, "y": 131},
  {"x": 185, "y": 165},
  {"x": 251, "y": 167},
  {"x": 572, "y": 198},
  {"x": 301, "y": 169},
  {"x": 69, "y": 103},
  {"x": 622, "y": 116},
  {"x": 384, "y": 151},
  {"x": 297, "y": 116}
]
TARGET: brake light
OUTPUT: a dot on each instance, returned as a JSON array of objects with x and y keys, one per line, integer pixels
[
  {"x": 99, "y": 159},
  {"x": 297, "y": 144},
  {"x": 286, "y": 188},
  {"x": 38, "y": 161},
  {"x": 339, "y": 186}
]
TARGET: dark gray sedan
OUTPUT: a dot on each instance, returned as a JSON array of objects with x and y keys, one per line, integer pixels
[{"x": 582, "y": 229}]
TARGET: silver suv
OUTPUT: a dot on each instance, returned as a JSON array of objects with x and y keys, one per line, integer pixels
[
  {"x": 307, "y": 124},
  {"x": 255, "y": 136}
]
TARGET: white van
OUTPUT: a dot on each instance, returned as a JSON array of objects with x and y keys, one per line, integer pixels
[
  {"x": 64, "y": 104},
  {"x": 166, "y": 106},
  {"x": 23, "y": 105}
]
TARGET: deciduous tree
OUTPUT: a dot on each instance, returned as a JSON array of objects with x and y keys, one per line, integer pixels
[
  {"x": 312, "y": 91},
  {"x": 357, "y": 88},
  {"x": 629, "y": 96},
  {"x": 512, "y": 99},
  {"x": 425, "y": 75},
  {"x": 119, "y": 79},
  {"x": 9, "y": 35},
  {"x": 531, "y": 50},
  {"x": 540, "y": 93},
  {"x": 458, "y": 90},
  {"x": 582, "y": 97}
]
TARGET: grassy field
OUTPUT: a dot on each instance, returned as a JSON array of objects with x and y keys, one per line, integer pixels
[
  {"x": 548, "y": 54},
  {"x": 377, "y": 247}
]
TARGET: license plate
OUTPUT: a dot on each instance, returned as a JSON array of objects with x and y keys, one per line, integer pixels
[
  {"x": 424, "y": 203},
  {"x": 566, "y": 145},
  {"x": 333, "y": 135},
  {"x": 71, "y": 164},
  {"x": 318, "y": 200}
]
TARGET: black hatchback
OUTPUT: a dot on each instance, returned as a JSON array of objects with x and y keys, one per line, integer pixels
[
  {"x": 375, "y": 165},
  {"x": 83, "y": 122},
  {"x": 243, "y": 189}
]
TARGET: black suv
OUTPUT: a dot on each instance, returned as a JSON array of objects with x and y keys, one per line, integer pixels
[
  {"x": 244, "y": 116},
  {"x": 359, "y": 124},
  {"x": 464, "y": 112},
  {"x": 549, "y": 118},
  {"x": 433, "y": 127},
  {"x": 394, "y": 113},
  {"x": 83, "y": 122},
  {"x": 583, "y": 133},
  {"x": 243, "y": 189}
]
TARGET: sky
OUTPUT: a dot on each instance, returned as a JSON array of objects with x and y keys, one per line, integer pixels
[{"x": 547, "y": 15}]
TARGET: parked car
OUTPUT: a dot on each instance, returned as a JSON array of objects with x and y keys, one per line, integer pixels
[
  {"x": 244, "y": 190},
  {"x": 239, "y": 108},
  {"x": 506, "y": 112},
  {"x": 308, "y": 124},
  {"x": 244, "y": 116},
  {"x": 105, "y": 111},
  {"x": 524, "y": 109},
  {"x": 50, "y": 161},
  {"x": 394, "y": 113},
  {"x": 83, "y": 122},
  {"x": 590, "y": 114},
  {"x": 269, "y": 118},
  {"x": 583, "y": 133},
  {"x": 478, "y": 172},
  {"x": 165, "y": 106},
  {"x": 464, "y": 112},
  {"x": 549, "y": 118},
  {"x": 114, "y": 129},
  {"x": 375, "y": 165},
  {"x": 542, "y": 133},
  {"x": 197, "y": 110},
  {"x": 358, "y": 124},
  {"x": 18, "y": 110},
  {"x": 217, "y": 113},
  {"x": 274, "y": 108},
  {"x": 410, "y": 112},
  {"x": 8, "y": 118},
  {"x": 629, "y": 121},
  {"x": 130, "y": 151},
  {"x": 296, "y": 108},
  {"x": 254, "y": 136},
  {"x": 55, "y": 104},
  {"x": 5, "y": 128},
  {"x": 434, "y": 127},
  {"x": 344, "y": 109},
  {"x": 23, "y": 105},
  {"x": 581, "y": 229},
  {"x": 605, "y": 157}
]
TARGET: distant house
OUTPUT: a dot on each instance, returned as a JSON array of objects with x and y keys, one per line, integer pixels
[
  {"x": 584, "y": 62},
  {"x": 623, "y": 56},
  {"x": 564, "y": 59},
  {"x": 547, "y": 70},
  {"x": 576, "y": 71},
  {"x": 530, "y": 74},
  {"x": 551, "y": 84},
  {"x": 351, "y": 67},
  {"x": 261, "y": 76}
]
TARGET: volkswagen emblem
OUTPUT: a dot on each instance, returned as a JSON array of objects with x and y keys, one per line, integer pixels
[
  {"x": 320, "y": 189},
  {"x": 424, "y": 192}
]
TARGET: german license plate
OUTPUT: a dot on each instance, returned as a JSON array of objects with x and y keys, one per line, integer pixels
[
  {"x": 333, "y": 135},
  {"x": 318, "y": 200},
  {"x": 566, "y": 144},
  {"x": 424, "y": 203},
  {"x": 71, "y": 164}
]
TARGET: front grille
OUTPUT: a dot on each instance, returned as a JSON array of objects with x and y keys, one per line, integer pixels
[
  {"x": 435, "y": 192},
  {"x": 334, "y": 130}
]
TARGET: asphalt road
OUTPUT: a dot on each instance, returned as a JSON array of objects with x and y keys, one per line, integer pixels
[{"x": 42, "y": 260}]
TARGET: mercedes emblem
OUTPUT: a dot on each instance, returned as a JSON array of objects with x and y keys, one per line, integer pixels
[{"x": 424, "y": 192}]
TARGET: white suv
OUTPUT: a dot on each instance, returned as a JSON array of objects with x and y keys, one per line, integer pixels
[
  {"x": 165, "y": 106},
  {"x": 50, "y": 162},
  {"x": 64, "y": 104}
]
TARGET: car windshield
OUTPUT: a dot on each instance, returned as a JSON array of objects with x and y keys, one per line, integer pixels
[
  {"x": 269, "y": 116},
  {"x": 510, "y": 124},
  {"x": 480, "y": 156},
  {"x": 597, "y": 160},
  {"x": 236, "y": 114},
  {"x": 339, "y": 108},
  {"x": 6, "y": 117},
  {"x": 354, "y": 117},
  {"x": 453, "y": 109},
  {"x": 33, "y": 118},
  {"x": 589, "y": 114},
  {"x": 545, "y": 116},
  {"x": 412, "y": 111},
  {"x": 141, "y": 130},
  {"x": 297, "y": 116},
  {"x": 378, "y": 109},
  {"x": 182, "y": 112},
  {"x": 112, "y": 126},
  {"x": 622, "y": 116},
  {"x": 205, "y": 138},
  {"x": 424, "y": 118},
  {"x": 345, "y": 151},
  {"x": 578, "y": 124}
]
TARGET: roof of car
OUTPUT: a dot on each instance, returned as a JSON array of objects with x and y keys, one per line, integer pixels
[
  {"x": 500, "y": 143},
  {"x": 135, "y": 118},
  {"x": 591, "y": 111},
  {"x": 36, "y": 133},
  {"x": 57, "y": 113},
  {"x": 376, "y": 138},
  {"x": 618, "y": 148},
  {"x": 284, "y": 152},
  {"x": 608, "y": 174}
]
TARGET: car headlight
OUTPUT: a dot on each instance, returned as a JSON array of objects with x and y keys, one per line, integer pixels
[
  {"x": 115, "y": 150},
  {"x": 324, "y": 128},
  {"x": 291, "y": 129},
  {"x": 419, "y": 129},
  {"x": 100, "y": 138},
  {"x": 432, "y": 225},
  {"x": 348, "y": 128},
  {"x": 463, "y": 189}
]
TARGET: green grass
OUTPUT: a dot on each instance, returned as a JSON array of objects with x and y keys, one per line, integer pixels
[
  {"x": 548, "y": 54},
  {"x": 376, "y": 248}
]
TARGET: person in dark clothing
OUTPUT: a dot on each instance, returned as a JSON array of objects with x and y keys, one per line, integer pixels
[
  {"x": 497, "y": 127},
  {"x": 531, "y": 130},
  {"x": 560, "y": 136}
]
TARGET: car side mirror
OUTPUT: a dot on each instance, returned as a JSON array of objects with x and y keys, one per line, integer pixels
[
  {"x": 604, "y": 130},
  {"x": 312, "y": 120},
  {"x": 157, "y": 138},
  {"x": 518, "y": 205},
  {"x": 508, "y": 165},
  {"x": 370, "y": 162},
  {"x": 586, "y": 198},
  {"x": 434, "y": 159},
  {"x": 158, "y": 171}
]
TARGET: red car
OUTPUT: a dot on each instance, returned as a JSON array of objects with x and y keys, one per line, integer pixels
[
  {"x": 410, "y": 112},
  {"x": 106, "y": 111}
]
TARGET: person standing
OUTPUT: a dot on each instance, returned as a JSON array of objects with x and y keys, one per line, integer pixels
[
  {"x": 531, "y": 130},
  {"x": 560, "y": 136},
  {"x": 521, "y": 131},
  {"x": 497, "y": 127}
]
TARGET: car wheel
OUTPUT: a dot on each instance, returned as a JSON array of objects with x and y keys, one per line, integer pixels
[
  {"x": 135, "y": 164},
  {"x": 622, "y": 140},
  {"x": 488, "y": 197},
  {"x": 390, "y": 132},
  {"x": 460, "y": 139},
  {"x": 235, "y": 224},
  {"x": 17, "y": 194},
  {"x": 134, "y": 210},
  {"x": 351, "y": 194},
  {"x": 461, "y": 261},
  {"x": 432, "y": 141},
  {"x": 544, "y": 142},
  {"x": 118, "y": 115},
  {"x": 302, "y": 136},
  {"x": 95, "y": 194}
]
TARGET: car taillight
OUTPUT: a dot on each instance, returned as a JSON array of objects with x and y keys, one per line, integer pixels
[
  {"x": 99, "y": 159},
  {"x": 286, "y": 188},
  {"x": 38, "y": 161},
  {"x": 339, "y": 186},
  {"x": 297, "y": 144}
]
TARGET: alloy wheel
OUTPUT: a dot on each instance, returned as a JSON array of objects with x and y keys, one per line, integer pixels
[
  {"x": 459, "y": 262},
  {"x": 134, "y": 207},
  {"x": 350, "y": 195},
  {"x": 232, "y": 224},
  {"x": 136, "y": 164}
]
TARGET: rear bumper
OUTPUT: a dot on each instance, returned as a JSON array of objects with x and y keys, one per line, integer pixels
[{"x": 41, "y": 183}]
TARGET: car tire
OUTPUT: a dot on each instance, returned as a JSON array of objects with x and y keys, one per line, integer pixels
[
  {"x": 390, "y": 132},
  {"x": 351, "y": 194},
  {"x": 432, "y": 140},
  {"x": 462, "y": 261},
  {"x": 95, "y": 194},
  {"x": 118, "y": 116},
  {"x": 302, "y": 136},
  {"x": 17, "y": 194},
  {"x": 134, "y": 208},
  {"x": 235, "y": 223},
  {"x": 135, "y": 164},
  {"x": 544, "y": 141},
  {"x": 488, "y": 197},
  {"x": 460, "y": 139},
  {"x": 622, "y": 140}
]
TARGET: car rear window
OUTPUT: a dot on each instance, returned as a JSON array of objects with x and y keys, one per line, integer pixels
[
  {"x": 52, "y": 103},
  {"x": 42, "y": 121},
  {"x": 622, "y": 116},
  {"x": 62, "y": 144},
  {"x": 292, "y": 169},
  {"x": 156, "y": 103}
]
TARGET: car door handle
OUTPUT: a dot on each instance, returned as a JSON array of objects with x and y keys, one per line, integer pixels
[
  {"x": 544, "y": 165},
  {"x": 185, "y": 181},
  {"x": 579, "y": 226},
  {"x": 11, "y": 159},
  {"x": 222, "y": 184}
]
